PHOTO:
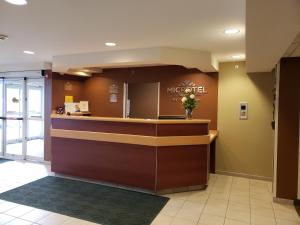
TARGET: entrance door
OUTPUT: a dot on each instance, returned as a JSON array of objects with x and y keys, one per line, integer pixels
[
  {"x": 13, "y": 133},
  {"x": 35, "y": 119},
  {"x": 22, "y": 118}
]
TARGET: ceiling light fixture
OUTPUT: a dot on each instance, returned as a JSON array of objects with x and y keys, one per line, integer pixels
[
  {"x": 110, "y": 44},
  {"x": 241, "y": 56},
  {"x": 3, "y": 37},
  {"x": 231, "y": 31},
  {"x": 83, "y": 74},
  {"x": 17, "y": 2},
  {"x": 29, "y": 52}
]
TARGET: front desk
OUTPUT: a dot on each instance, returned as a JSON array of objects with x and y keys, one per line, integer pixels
[{"x": 154, "y": 155}]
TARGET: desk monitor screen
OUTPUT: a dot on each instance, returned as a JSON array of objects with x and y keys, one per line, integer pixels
[{"x": 172, "y": 117}]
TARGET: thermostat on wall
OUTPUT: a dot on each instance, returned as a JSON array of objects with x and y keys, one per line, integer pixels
[{"x": 243, "y": 110}]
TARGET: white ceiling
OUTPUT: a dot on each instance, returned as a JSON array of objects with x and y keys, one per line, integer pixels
[
  {"x": 294, "y": 49},
  {"x": 60, "y": 27},
  {"x": 272, "y": 25}
]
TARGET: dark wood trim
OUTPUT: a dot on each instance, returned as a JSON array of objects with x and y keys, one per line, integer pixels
[{"x": 288, "y": 128}]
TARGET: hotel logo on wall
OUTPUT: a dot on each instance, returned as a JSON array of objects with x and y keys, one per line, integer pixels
[{"x": 178, "y": 92}]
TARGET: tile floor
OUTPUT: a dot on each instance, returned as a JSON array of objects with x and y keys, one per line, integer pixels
[{"x": 226, "y": 201}]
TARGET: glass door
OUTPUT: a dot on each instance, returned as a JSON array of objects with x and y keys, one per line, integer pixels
[
  {"x": 22, "y": 118},
  {"x": 1, "y": 119},
  {"x": 35, "y": 119},
  {"x": 14, "y": 146}
]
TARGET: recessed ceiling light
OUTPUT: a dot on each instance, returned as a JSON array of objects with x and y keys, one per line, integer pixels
[
  {"x": 3, "y": 37},
  {"x": 29, "y": 52},
  {"x": 231, "y": 31},
  {"x": 83, "y": 74},
  {"x": 17, "y": 2},
  {"x": 241, "y": 56},
  {"x": 110, "y": 44}
]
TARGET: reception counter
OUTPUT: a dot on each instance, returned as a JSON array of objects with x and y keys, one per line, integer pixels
[{"x": 154, "y": 155}]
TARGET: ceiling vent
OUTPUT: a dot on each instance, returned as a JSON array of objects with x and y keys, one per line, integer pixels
[{"x": 3, "y": 37}]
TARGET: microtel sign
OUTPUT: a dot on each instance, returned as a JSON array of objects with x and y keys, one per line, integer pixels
[{"x": 178, "y": 92}]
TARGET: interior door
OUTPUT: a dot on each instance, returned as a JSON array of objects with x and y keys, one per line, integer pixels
[
  {"x": 144, "y": 100},
  {"x": 35, "y": 119},
  {"x": 14, "y": 118}
]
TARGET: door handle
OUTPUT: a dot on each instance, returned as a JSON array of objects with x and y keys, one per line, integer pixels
[{"x": 11, "y": 118}]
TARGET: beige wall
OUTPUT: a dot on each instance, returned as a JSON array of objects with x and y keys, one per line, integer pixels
[{"x": 245, "y": 146}]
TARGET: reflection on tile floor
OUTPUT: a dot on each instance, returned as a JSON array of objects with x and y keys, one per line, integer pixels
[{"x": 226, "y": 201}]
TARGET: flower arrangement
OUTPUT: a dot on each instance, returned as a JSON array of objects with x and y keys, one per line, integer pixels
[{"x": 189, "y": 102}]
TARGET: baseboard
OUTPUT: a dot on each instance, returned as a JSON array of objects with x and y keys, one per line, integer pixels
[
  {"x": 283, "y": 201},
  {"x": 244, "y": 175}
]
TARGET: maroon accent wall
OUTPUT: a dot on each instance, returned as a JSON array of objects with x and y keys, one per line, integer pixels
[
  {"x": 147, "y": 129},
  {"x": 181, "y": 166},
  {"x": 130, "y": 165},
  {"x": 146, "y": 167},
  {"x": 106, "y": 127},
  {"x": 288, "y": 128},
  {"x": 96, "y": 90}
]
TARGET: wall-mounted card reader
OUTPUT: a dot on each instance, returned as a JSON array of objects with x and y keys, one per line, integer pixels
[{"x": 243, "y": 110}]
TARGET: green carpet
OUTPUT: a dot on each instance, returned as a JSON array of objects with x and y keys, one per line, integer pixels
[
  {"x": 87, "y": 201},
  {"x": 4, "y": 160}
]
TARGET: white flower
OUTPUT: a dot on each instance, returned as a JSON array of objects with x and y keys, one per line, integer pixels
[
  {"x": 183, "y": 99},
  {"x": 192, "y": 96},
  {"x": 187, "y": 90}
]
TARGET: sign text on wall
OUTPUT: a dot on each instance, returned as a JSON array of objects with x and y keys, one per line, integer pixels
[{"x": 177, "y": 92}]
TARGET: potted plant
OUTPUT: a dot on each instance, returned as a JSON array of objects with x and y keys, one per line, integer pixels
[{"x": 189, "y": 102}]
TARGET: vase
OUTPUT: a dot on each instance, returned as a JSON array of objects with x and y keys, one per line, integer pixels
[{"x": 188, "y": 113}]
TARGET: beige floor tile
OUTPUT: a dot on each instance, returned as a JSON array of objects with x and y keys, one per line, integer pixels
[
  {"x": 286, "y": 222},
  {"x": 243, "y": 216},
  {"x": 175, "y": 202},
  {"x": 35, "y": 215},
  {"x": 207, "y": 219},
  {"x": 19, "y": 210},
  {"x": 214, "y": 210},
  {"x": 220, "y": 196},
  {"x": 261, "y": 203},
  {"x": 18, "y": 222},
  {"x": 283, "y": 207},
  {"x": 239, "y": 206},
  {"x": 5, "y": 218},
  {"x": 189, "y": 214},
  {"x": 179, "y": 221},
  {"x": 234, "y": 222},
  {"x": 262, "y": 220},
  {"x": 180, "y": 195},
  {"x": 53, "y": 219},
  {"x": 287, "y": 215},
  {"x": 193, "y": 205},
  {"x": 162, "y": 220},
  {"x": 197, "y": 198},
  {"x": 263, "y": 197},
  {"x": 5, "y": 206},
  {"x": 170, "y": 210},
  {"x": 75, "y": 221},
  {"x": 268, "y": 212},
  {"x": 242, "y": 199}
]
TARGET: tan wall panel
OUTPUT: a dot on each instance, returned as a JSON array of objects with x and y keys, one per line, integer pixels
[{"x": 245, "y": 146}]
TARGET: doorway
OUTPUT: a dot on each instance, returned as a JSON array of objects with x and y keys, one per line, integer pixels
[
  {"x": 142, "y": 100},
  {"x": 22, "y": 118}
]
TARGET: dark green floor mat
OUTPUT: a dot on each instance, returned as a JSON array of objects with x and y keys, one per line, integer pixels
[
  {"x": 4, "y": 160},
  {"x": 87, "y": 201}
]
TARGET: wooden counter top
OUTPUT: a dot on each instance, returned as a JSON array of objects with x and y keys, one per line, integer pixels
[{"x": 131, "y": 120}]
